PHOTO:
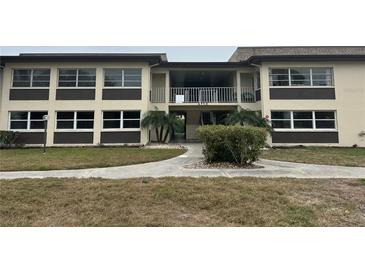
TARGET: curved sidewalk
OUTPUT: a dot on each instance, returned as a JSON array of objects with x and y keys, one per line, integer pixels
[{"x": 175, "y": 167}]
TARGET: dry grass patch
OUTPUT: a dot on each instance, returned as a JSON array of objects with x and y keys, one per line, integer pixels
[
  {"x": 80, "y": 157},
  {"x": 182, "y": 202},
  {"x": 340, "y": 156}
]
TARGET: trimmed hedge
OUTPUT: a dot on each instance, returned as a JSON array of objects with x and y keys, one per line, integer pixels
[{"x": 235, "y": 144}]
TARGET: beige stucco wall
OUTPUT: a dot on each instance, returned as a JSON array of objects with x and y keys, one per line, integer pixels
[
  {"x": 52, "y": 105},
  {"x": 349, "y": 82}
]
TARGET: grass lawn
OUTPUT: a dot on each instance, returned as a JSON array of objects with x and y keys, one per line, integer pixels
[
  {"x": 182, "y": 202},
  {"x": 76, "y": 158},
  {"x": 319, "y": 155}
]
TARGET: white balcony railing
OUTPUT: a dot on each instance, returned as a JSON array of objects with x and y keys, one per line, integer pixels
[
  {"x": 203, "y": 95},
  {"x": 248, "y": 95},
  {"x": 157, "y": 95}
]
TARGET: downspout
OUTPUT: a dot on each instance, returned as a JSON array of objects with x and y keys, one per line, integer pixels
[{"x": 151, "y": 66}]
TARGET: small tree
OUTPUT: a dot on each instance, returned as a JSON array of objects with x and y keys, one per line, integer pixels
[
  {"x": 171, "y": 122},
  {"x": 154, "y": 120},
  {"x": 8, "y": 138},
  {"x": 245, "y": 117},
  {"x": 161, "y": 122}
]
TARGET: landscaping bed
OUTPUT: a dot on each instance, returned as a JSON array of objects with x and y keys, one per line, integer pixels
[
  {"x": 182, "y": 202},
  {"x": 220, "y": 165},
  {"x": 80, "y": 157}
]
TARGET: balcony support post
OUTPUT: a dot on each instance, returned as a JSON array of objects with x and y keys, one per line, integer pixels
[
  {"x": 238, "y": 86},
  {"x": 167, "y": 87}
]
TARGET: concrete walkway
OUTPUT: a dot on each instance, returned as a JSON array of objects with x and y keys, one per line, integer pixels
[{"x": 175, "y": 167}]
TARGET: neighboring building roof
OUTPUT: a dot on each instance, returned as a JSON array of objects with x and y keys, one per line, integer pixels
[
  {"x": 243, "y": 54},
  {"x": 151, "y": 58}
]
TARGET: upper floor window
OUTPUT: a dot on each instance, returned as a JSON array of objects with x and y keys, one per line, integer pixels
[
  {"x": 26, "y": 120},
  {"x": 31, "y": 77},
  {"x": 76, "y": 77},
  {"x": 301, "y": 120},
  {"x": 301, "y": 77},
  {"x": 131, "y": 77}
]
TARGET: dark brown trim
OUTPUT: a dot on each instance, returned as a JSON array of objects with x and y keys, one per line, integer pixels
[
  {"x": 175, "y": 65},
  {"x": 75, "y": 94},
  {"x": 309, "y": 57},
  {"x": 30, "y": 138},
  {"x": 73, "y": 137},
  {"x": 29, "y": 94},
  {"x": 151, "y": 58},
  {"x": 305, "y": 137},
  {"x": 302, "y": 94},
  {"x": 120, "y": 137},
  {"x": 122, "y": 94}
]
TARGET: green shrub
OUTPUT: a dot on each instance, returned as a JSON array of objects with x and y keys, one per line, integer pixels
[
  {"x": 236, "y": 144},
  {"x": 7, "y": 138}
]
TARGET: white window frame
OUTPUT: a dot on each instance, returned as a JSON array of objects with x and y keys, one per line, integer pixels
[
  {"x": 123, "y": 79},
  {"x": 77, "y": 79},
  {"x": 121, "y": 122},
  {"x": 74, "y": 120},
  {"x": 28, "y": 121},
  {"x": 313, "y": 120},
  {"x": 310, "y": 75},
  {"x": 31, "y": 78}
]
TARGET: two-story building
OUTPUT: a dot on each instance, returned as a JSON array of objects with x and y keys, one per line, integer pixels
[{"x": 311, "y": 95}]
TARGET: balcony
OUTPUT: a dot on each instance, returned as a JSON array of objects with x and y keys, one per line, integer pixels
[
  {"x": 203, "y": 95},
  {"x": 204, "y": 87}
]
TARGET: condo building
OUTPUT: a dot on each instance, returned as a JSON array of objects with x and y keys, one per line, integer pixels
[{"x": 310, "y": 95}]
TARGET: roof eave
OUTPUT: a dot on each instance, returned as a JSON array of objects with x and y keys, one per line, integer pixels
[{"x": 268, "y": 58}]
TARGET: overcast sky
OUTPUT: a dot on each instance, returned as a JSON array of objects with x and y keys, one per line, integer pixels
[{"x": 188, "y": 53}]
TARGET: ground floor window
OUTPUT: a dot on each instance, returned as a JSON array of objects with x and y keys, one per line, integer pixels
[
  {"x": 121, "y": 119},
  {"x": 26, "y": 120},
  {"x": 303, "y": 120},
  {"x": 75, "y": 120}
]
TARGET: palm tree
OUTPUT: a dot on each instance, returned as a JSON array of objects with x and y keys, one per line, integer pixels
[
  {"x": 163, "y": 123},
  {"x": 170, "y": 122},
  {"x": 245, "y": 117},
  {"x": 154, "y": 119}
]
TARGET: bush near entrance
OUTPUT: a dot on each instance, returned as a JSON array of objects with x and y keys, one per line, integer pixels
[{"x": 235, "y": 144}]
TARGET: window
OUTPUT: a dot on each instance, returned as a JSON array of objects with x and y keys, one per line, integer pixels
[
  {"x": 301, "y": 77},
  {"x": 280, "y": 119},
  {"x": 322, "y": 77},
  {"x": 76, "y": 77},
  {"x": 302, "y": 120},
  {"x": 279, "y": 77},
  {"x": 121, "y": 119},
  {"x": 26, "y": 120},
  {"x": 123, "y": 78},
  {"x": 325, "y": 119},
  {"x": 83, "y": 120},
  {"x": 31, "y": 77}
]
